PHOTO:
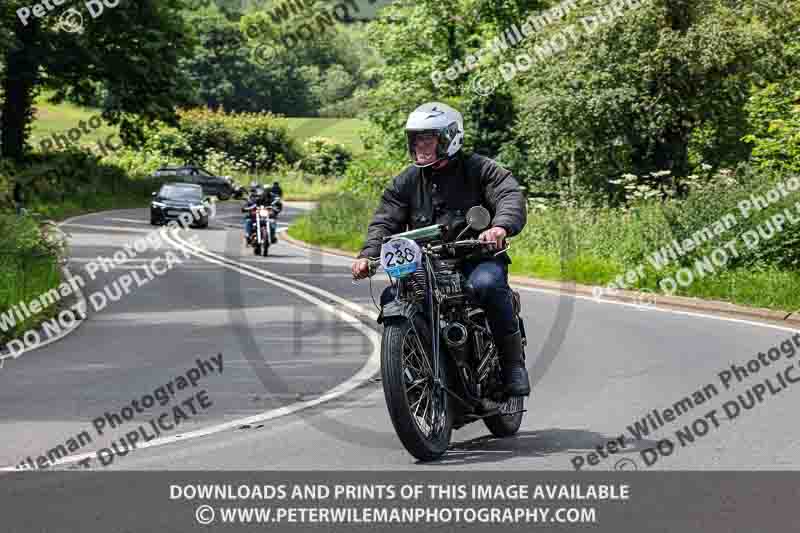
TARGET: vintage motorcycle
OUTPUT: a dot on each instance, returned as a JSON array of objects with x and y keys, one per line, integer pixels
[{"x": 439, "y": 363}]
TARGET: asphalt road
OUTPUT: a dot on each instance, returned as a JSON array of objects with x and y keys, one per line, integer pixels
[{"x": 299, "y": 346}]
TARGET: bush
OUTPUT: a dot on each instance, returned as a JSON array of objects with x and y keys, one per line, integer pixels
[
  {"x": 324, "y": 157},
  {"x": 61, "y": 184},
  {"x": 775, "y": 118},
  {"x": 253, "y": 140},
  {"x": 368, "y": 177},
  {"x": 169, "y": 141}
]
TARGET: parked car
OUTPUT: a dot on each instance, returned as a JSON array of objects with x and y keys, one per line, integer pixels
[
  {"x": 239, "y": 192},
  {"x": 173, "y": 199},
  {"x": 223, "y": 187}
]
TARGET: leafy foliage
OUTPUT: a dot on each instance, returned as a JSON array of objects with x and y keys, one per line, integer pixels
[
  {"x": 367, "y": 177},
  {"x": 324, "y": 157},
  {"x": 133, "y": 50},
  {"x": 774, "y": 115},
  {"x": 252, "y": 139}
]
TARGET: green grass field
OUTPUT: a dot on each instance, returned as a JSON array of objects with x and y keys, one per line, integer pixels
[
  {"x": 341, "y": 130},
  {"x": 59, "y": 119}
]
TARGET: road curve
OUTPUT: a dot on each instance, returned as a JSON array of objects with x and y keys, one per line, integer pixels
[{"x": 295, "y": 332}]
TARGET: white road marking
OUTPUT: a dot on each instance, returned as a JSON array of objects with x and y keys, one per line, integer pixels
[
  {"x": 645, "y": 309},
  {"x": 124, "y": 229},
  {"x": 284, "y": 280},
  {"x": 128, "y": 220},
  {"x": 369, "y": 369},
  {"x": 598, "y": 301}
]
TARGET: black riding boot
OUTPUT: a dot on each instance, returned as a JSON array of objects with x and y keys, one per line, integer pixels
[{"x": 515, "y": 375}]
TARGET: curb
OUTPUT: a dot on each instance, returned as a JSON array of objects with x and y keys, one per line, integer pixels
[
  {"x": 80, "y": 301},
  {"x": 641, "y": 299}
]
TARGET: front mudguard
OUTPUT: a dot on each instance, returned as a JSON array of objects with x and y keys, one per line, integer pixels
[
  {"x": 414, "y": 313},
  {"x": 399, "y": 310}
]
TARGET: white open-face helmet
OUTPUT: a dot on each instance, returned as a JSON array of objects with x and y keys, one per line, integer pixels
[{"x": 438, "y": 120}]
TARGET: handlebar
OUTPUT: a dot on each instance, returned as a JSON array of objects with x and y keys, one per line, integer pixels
[
  {"x": 466, "y": 243},
  {"x": 374, "y": 263}
]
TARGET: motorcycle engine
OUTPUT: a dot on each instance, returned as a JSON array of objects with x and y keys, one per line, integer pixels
[{"x": 450, "y": 282}]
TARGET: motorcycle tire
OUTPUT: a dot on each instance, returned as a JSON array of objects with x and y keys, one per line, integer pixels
[
  {"x": 397, "y": 342},
  {"x": 257, "y": 249}
]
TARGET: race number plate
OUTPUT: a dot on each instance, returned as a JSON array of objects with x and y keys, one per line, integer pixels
[{"x": 400, "y": 257}]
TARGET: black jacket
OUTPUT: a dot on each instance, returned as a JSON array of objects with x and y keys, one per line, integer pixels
[
  {"x": 266, "y": 199},
  {"x": 422, "y": 197}
]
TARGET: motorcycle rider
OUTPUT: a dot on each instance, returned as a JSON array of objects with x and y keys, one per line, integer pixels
[
  {"x": 260, "y": 196},
  {"x": 438, "y": 188}
]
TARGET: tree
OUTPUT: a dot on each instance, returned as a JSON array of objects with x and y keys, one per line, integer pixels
[
  {"x": 632, "y": 95},
  {"x": 133, "y": 49}
]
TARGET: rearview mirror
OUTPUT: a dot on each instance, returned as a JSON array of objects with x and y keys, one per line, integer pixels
[
  {"x": 478, "y": 218},
  {"x": 153, "y": 194}
]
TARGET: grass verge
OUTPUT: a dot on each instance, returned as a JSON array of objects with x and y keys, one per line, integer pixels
[
  {"x": 341, "y": 221},
  {"x": 28, "y": 268}
]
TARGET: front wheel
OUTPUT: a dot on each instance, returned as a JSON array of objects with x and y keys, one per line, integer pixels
[{"x": 422, "y": 413}]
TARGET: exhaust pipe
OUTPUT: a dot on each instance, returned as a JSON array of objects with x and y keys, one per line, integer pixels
[{"x": 457, "y": 339}]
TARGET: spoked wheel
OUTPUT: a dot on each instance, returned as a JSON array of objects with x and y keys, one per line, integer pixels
[
  {"x": 420, "y": 410},
  {"x": 508, "y": 421}
]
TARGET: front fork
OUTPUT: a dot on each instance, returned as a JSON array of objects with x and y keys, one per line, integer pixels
[{"x": 439, "y": 374}]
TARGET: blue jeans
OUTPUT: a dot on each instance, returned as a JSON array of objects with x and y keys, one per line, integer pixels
[{"x": 489, "y": 282}]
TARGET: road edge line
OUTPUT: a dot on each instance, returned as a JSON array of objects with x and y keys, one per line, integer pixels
[{"x": 740, "y": 314}]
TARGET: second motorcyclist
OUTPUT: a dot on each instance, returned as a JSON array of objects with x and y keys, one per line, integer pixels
[{"x": 260, "y": 196}]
